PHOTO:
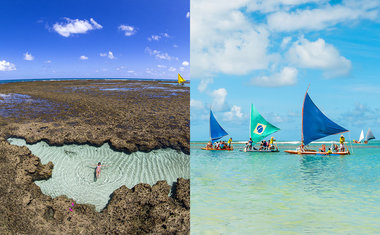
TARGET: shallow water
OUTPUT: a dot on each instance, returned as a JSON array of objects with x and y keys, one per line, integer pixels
[
  {"x": 279, "y": 193},
  {"x": 74, "y": 170}
]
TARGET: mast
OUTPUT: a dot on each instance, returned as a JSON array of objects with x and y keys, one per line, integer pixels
[{"x": 302, "y": 112}]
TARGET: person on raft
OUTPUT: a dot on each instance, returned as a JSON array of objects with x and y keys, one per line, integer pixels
[{"x": 341, "y": 140}]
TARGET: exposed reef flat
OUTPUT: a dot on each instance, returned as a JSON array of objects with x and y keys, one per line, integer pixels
[
  {"x": 24, "y": 209},
  {"x": 129, "y": 115}
]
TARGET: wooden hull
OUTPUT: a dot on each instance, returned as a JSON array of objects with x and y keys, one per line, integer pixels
[
  {"x": 262, "y": 151},
  {"x": 217, "y": 149},
  {"x": 316, "y": 153}
]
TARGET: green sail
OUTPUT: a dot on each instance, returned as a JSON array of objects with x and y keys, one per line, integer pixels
[{"x": 259, "y": 128}]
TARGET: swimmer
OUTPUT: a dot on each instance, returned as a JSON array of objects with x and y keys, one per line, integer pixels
[{"x": 98, "y": 169}]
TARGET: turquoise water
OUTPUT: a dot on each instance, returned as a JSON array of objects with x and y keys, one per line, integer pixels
[
  {"x": 279, "y": 193},
  {"x": 74, "y": 170}
]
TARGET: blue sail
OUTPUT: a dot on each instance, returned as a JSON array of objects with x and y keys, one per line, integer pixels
[
  {"x": 216, "y": 131},
  {"x": 315, "y": 124}
]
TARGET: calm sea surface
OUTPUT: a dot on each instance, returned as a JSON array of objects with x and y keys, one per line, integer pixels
[{"x": 279, "y": 193}]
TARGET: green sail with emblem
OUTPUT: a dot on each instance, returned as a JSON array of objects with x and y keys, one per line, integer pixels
[{"x": 259, "y": 128}]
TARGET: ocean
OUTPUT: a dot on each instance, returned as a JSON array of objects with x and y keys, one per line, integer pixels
[{"x": 234, "y": 192}]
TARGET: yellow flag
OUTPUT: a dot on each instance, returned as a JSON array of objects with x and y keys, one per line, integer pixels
[{"x": 180, "y": 79}]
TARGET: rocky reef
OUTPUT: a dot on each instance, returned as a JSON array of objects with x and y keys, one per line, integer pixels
[{"x": 130, "y": 115}]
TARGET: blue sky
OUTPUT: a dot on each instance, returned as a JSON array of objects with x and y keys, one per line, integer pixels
[
  {"x": 94, "y": 39},
  {"x": 268, "y": 52}
]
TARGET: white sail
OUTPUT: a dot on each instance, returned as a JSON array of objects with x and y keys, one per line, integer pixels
[
  {"x": 361, "y": 136},
  {"x": 369, "y": 135}
]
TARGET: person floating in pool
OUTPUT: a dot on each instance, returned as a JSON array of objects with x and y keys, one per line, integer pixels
[{"x": 98, "y": 169}]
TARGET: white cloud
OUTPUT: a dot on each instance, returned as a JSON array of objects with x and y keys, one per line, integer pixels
[
  {"x": 287, "y": 77},
  {"x": 161, "y": 66},
  {"x": 219, "y": 98},
  {"x": 83, "y": 57},
  {"x": 130, "y": 71},
  {"x": 321, "y": 18},
  {"x": 276, "y": 5},
  {"x": 188, "y": 14},
  {"x": 7, "y": 66},
  {"x": 204, "y": 83},
  {"x": 233, "y": 114},
  {"x": 75, "y": 26},
  {"x": 172, "y": 69},
  {"x": 128, "y": 30},
  {"x": 159, "y": 54},
  {"x": 285, "y": 41},
  {"x": 109, "y": 55},
  {"x": 28, "y": 56},
  {"x": 223, "y": 39},
  {"x": 154, "y": 37},
  {"x": 196, "y": 104},
  {"x": 175, "y": 46},
  {"x": 48, "y": 61},
  {"x": 181, "y": 68},
  {"x": 319, "y": 55},
  {"x": 185, "y": 63}
]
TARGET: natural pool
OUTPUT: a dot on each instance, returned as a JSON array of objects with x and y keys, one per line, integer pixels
[{"x": 74, "y": 170}]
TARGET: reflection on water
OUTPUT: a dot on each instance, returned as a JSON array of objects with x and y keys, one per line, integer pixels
[
  {"x": 275, "y": 193},
  {"x": 12, "y": 105},
  {"x": 74, "y": 170}
]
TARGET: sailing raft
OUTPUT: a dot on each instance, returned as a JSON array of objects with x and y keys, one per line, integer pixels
[
  {"x": 216, "y": 133},
  {"x": 315, "y": 125}
]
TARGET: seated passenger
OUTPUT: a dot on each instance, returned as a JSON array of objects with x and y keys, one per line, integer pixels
[{"x": 323, "y": 148}]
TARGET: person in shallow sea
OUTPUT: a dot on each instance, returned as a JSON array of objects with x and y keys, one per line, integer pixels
[{"x": 229, "y": 143}]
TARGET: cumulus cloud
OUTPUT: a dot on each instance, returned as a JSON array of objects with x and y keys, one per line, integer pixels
[
  {"x": 28, "y": 56},
  {"x": 158, "y": 37},
  {"x": 285, "y": 41},
  {"x": 7, "y": 66},
  {"x": 159, "y": 54},
  {"x": 185, "y": 63},
  {"x": 196, "y": 104},
  {"x": 83, "y": 57},
  {"x": 188, "y": 14},
  {"x": 321, "y": 18},
  {"x": 233, "y": 114},
  {"x": 75, "y": 26},
  {"x": 219, "y": 98},
  {"x": 128, "y": 30},
  {"x": 109, "y": 55},
  {"x": 204, "y": 83},
  {"x": 181, "y": 68},
  {"x": 286, "y": 77},
  {"x": 161, "y": 66},
  {"x": 232, "y": 44},
  {"x": 319, "y": 55},
  {"x": 172, "y": 69},
  {"x": 268, "y": 6}
]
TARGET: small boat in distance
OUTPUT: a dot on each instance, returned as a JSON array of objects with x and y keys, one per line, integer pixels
[
  {"x": 216, "y": 132},
  {"x": 259, "y": 128},
  {"x": 315, "y": 125},
  {"x": 369, "y": 136},
  {"x": 361, "y": 137},
  {"x": 181, "y": 80}
]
